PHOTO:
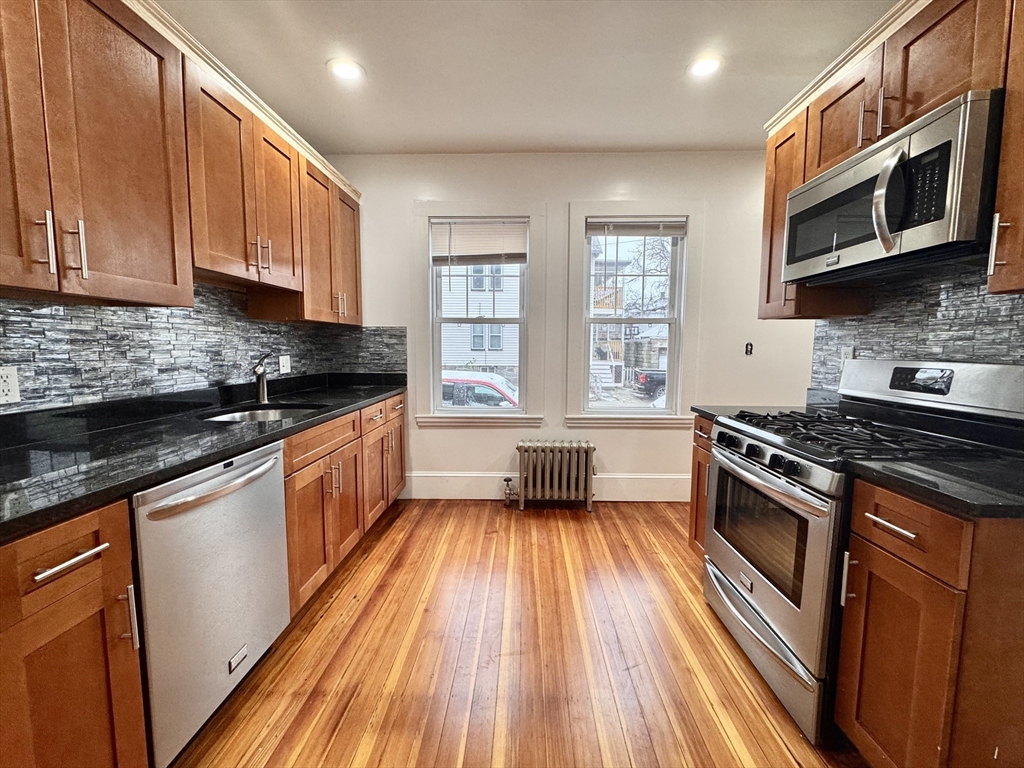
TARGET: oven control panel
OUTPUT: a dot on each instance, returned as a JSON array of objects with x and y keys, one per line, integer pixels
[{"x": 932, "y": 381}]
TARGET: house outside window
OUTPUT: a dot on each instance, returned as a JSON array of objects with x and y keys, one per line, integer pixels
[{"x": 478, "y": 268}]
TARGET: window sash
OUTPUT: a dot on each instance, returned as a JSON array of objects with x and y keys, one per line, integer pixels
[{"x": 496, "y": 330}]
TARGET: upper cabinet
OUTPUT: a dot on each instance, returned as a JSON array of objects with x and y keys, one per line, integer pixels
[
  {"x": 1006, "y": 257},
  {"x": 329, "y": 266},
  {"x": 101, "y": 86},
  {"x": 949, "y": 48},
  {"x": 278, "y": 235},
  {"x": 784, "y": 172}
]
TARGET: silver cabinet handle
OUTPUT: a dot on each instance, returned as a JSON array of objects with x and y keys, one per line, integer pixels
[
  {"x": 860, "y": 126},
  {"x": 378, "y": 417},
  {"x": 891, "y": 526},
  {"x": 847, "y": 562},
  {"x": 338, "y": 310},
  {"x": 343, "y": 304},
  {"x": 133, "y": 619},
  {"x": 45, "y": 573},
  {"x": 258, "y": 242},
  {"x": 171, "y": 508},
  {"x": 81, "y": 249},
  {"x": 881, "y": 125},
  {"x": 701, "y": 434},
  {"x": 51, "y": 243},
  {"x": 332, "y": 486},
  {"x": 878, "y": 198},
  {"x": 336, "y": 477},
  {"x": 400, "y": 406},
  {"x": 270, "y": 257},
  {"x": 993, "y": 245}
]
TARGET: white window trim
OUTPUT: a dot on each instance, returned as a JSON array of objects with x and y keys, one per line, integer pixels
[
  {"x": 531, "y": 401},
  {"x": 681, "y": 386}
]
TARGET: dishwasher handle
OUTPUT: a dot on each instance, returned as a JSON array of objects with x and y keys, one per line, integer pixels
[{"x": 176, "y": 507}]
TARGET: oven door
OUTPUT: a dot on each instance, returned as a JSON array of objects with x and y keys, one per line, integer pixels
[{"x": 775, "y": 542}]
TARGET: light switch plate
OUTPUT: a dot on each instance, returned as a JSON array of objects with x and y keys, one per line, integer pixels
[
  {"x": 284, "y": 364},
  {"x": 9, "y": 385}
]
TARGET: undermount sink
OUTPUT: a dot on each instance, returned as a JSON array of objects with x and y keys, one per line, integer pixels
[{"x": 266, "y": 412}]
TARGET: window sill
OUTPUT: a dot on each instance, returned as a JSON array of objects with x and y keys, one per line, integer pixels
[
  {"x": 628, "y": 421},
  {"x": 482, "y": 420}
]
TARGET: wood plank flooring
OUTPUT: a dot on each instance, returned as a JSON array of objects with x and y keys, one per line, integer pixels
[{"x": 468, "y": 633}]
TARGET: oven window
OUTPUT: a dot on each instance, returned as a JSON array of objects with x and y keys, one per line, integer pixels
[{"x": 772, "y": 538}]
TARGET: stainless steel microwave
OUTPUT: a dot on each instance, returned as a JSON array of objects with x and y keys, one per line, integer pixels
[{"x": 923, "y": 193}]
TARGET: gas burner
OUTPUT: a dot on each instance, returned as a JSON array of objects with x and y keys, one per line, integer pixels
[{"x": 849, "y": 437}]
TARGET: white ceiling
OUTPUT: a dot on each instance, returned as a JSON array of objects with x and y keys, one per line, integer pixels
[{"x": 526, "y": 76}]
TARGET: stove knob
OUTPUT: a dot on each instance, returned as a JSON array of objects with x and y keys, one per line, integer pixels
[
  {"x": 776, "y": 461},
  {"x": 791, "y": 468},
  {"x": 752, "y": 451},
  {"x": 731, "y": 441},
  {"x": 722, "y": 438}
]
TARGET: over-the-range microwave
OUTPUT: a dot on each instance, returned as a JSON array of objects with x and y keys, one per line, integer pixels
[{"x": 921, "y": 194}]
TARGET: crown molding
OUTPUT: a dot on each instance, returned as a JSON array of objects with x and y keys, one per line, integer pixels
[
  {"x": 154, "y": 15},
  {"x": 896, "y": 17}
]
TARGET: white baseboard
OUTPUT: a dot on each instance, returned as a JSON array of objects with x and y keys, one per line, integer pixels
[{"x": 489, "y": 485}]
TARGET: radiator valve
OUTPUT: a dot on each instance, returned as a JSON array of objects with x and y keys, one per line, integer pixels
[{"x": 510, "y": 492}]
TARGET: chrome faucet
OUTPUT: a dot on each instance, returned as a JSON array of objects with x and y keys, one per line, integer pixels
[{"x": 260, "y": 371}]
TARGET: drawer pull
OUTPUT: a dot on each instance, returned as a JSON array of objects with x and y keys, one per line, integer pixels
[
  {"x": 378, "y": 417},
  {"x": 45, "y": 573},
  {"x": 894, "y": 528},
  {"x": 702, "y": 434},
  {"x": 133, "y": 619},
  {"x": 400, "y": 406}
]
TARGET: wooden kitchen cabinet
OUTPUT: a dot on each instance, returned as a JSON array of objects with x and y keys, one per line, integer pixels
[
  {"x": 898, "y": 661},
  {"x": 277, "y": 209},
  {"x": 948, "y": 48},
  {"x": 841, "y": 121},
  {"x": 784, "y": 172},
  {"x": 396, "y": 458},
  {"x": 1006, "y": 267},
  {"x": 375, "y": 474},
  {"x": 699, "y": 468},
  {"x": 69, "y": 669},
  {"x": 330, "y": 258},
  {"x": 347, "y": 506},
  {"x": 115, "y": 154},
  {"x": 309, "y": 517}
]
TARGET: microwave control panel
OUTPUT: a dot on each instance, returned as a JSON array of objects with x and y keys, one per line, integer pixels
[{"x": 927, "y": 179}]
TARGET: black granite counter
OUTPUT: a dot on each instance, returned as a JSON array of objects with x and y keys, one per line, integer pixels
[
  {"x": 711, "y": 411},
  {"x": 968, "y": 488},
  {"x": 55, "y": 465}
]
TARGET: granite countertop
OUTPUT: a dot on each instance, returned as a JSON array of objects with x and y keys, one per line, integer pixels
[
  {"x": 968, "y": 488},
  {"x": 56, "y": 465},
  {"x": 712, "y": 411}
]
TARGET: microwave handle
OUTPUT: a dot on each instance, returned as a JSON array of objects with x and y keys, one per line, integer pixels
[{"x": 878, "y": 198}]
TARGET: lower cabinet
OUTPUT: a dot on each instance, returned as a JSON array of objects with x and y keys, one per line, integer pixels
[
  {"x": 699, "y": 497},
  {"x": 375, "y": 475},
  {"x": 396, "y": 459},
  {"x": 310, "y": 516},
  {"x": 347, "y": 464},
  {"x": 900, "y": 647},
  {"x": 70, "y": 682}
]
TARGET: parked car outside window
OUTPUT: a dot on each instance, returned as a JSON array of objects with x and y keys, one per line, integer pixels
[{"x": 478, "y": 389}]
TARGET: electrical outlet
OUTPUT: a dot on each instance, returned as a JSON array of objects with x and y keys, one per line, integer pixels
[
  {"x": 847, "y": 353},
  {"x": 9, "y": 385},
  {"x": 284, "y": 364}
]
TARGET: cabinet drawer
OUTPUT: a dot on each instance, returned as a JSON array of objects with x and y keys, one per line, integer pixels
[
  {"x": 702, "y": 432},
  {"x": 25, "y": 587},
  {"x": 935, "y": 542},
  {"x": 394, "y": 406},
  {"x": 374, "y": 416},
  {"x": 303, "y": 449}
]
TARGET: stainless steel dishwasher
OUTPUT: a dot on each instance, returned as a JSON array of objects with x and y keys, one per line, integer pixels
[{"x": 213, "y": 564}]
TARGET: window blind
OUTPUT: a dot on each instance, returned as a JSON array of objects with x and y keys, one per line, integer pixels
[
  {"x": 637, "y": 227},
  {"x": 464, "y": 241}
]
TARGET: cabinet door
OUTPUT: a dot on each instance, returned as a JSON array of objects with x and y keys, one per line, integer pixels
[
  {"x": 27, "y": 256},
  {"x": 840, "y": 121},
  {"x": 898, "y": 660},
  {"x": 309, "y": 496},
  {"x": 347, "y": 510},
  {"x": 948, "y": 48},
  {"x": 699, "y": 497},
  {"x": 115, "y": 129},
  {"x": 375, "y": 475},
  {"x": 321, "y": 300},
  {"x": 277, "y": 209},
  {"x": 396, "y": 459},
  {"x": 784, "y": 172},
  {"x": 347, "y": 278},
  {"x": 1006, "y": 268},
  {"x": 72, "y": 687},
  {"x": 222, "y": 179}
]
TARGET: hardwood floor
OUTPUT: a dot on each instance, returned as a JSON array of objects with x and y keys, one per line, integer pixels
[{"x": 468, "y": 633}]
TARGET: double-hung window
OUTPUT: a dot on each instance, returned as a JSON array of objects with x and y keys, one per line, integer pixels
[
  {"x": 632, "y": 312},
  {"x": 478, "y": 270}
]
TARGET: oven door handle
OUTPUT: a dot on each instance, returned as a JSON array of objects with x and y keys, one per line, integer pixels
[
  {"x": 878, "y": 198},
  {"x": 781, "y": 654},
  {"x": 788, "y": 495}
]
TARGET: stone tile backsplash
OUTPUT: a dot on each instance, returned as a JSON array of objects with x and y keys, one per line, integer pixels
[
  {"x": 944, "y": 314},
  {"x": 67, "y": 355}
]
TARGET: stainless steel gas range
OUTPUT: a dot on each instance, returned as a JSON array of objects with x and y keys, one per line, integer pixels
[{"x": 779, "y": 495}]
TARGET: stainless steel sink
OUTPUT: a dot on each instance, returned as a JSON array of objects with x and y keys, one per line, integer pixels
[{"x": 268, "y": 412}]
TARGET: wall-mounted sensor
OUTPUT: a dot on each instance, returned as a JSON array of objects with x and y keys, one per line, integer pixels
[{"x": 749, "y": 348}]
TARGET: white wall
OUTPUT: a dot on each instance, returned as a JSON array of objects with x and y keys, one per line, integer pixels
[{"x": 460, "y": 462}]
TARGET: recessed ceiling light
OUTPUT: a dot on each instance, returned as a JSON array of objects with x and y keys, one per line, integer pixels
[
  {"x": 346, "y": 70},
  {"x": 704, "y": 66}
]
